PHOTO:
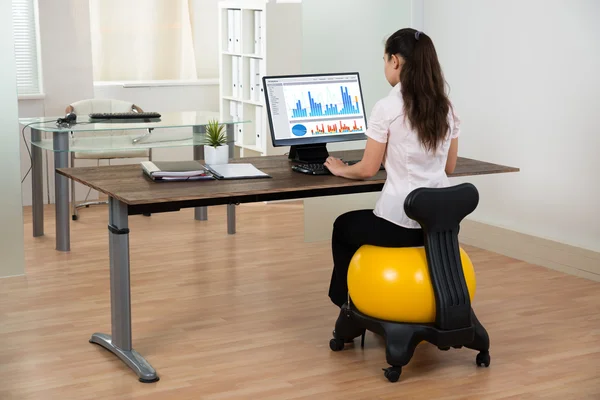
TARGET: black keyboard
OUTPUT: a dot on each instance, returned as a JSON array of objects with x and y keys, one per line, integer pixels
[
  {"x": 125, "y": 115},
  {"x": 319, "y": 168},
  {"x": 311, "y": 169}
]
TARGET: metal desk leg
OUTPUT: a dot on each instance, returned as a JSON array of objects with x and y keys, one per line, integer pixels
[
  {"x": 61, "y": 191},
  {"x": 230, "y": 130},
  {"x": 231, "y": 207},
  {"x": 120, "y": 342},
  {"x": 200, "y": 213},
  {"x": 231, "y": 219},
  {"x": 37, "y": 185}
]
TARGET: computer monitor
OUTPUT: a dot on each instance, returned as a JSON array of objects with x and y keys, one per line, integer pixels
[{"x": 308, "y": 111}]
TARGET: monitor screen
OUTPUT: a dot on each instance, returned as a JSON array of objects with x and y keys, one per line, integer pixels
[{"x": 305, "y": 109}]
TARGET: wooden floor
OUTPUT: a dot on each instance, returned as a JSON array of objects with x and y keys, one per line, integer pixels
[{"x": 247, "y": 317}]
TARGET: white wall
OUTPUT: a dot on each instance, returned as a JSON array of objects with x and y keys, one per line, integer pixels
[
  {"x": 205, "y": 30},
  {"x": 192, "y": 97},
  {"x": 66, "y": 53},
  {"x": 524, "y": 79},
  {"x": 66, "y": 70},
  {"x": 11, "y": 212},
  {"x": 360, "y": 48}
]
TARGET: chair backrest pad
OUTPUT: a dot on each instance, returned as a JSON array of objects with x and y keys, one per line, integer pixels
[
  {"x": 440, "y": 211},
  {"x": 86, "y": 107}
]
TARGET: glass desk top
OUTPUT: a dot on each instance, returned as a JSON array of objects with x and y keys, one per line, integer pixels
[
  {"x": 167, "y": 120},
  {"x": 89, "y": 135}
]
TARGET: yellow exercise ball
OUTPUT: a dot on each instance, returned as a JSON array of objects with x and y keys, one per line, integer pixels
[{"x": 393, "y": 284}]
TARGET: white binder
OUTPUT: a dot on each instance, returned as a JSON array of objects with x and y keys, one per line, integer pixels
[
  {"x": 240, "y": 115},
  {"x": 259, "y": 126},
  {"x": 259, "y": 86},
  {"x": 235, "y": 84},
  {"x": 230, "y": 31},
  {"x": 237, "y": 17},
  {"x": 240, "y": 79},
  {"x": 255, "y": 76},
  {"x": 253, "y": 95},
  {"x": 236, "y": 171},
  {"x": 258, "y": 32}
]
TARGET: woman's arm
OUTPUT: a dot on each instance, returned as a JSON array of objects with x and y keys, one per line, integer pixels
[
  {"x": 452, "y": 156},
  {"x": 366, "y": 168}
]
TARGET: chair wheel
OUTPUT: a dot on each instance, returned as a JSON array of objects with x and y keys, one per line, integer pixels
[
  {"x": 392, "y": 373},
  {"x": 483, "y": 359},
  {"x": 74, "y": 217},
  {"x": 336, "y": 344}
]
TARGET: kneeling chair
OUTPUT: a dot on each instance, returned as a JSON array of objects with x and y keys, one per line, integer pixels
[{"x": 439, "y": 211}]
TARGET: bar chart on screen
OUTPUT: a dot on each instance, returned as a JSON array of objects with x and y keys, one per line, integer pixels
[
  {"x": 323, "y": 100},
  {"x": 338, "y": 127}
]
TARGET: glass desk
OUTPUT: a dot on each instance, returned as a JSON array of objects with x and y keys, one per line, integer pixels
[{"x": 88, "y": 135}]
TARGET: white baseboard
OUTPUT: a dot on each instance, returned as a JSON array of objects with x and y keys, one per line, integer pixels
[{"x": 547, "y": 253}]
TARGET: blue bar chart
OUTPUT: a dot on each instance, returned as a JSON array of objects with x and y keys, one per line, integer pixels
[
  {"x": 299, "y": 112},
  {"x": 340, "y": 104}
]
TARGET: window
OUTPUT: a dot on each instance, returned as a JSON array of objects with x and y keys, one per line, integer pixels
[
  {"x": 135, "y": 40},
  {"x": 25, "y": 30}
]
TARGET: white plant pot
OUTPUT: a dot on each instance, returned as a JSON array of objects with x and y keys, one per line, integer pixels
[{"x": 216, "y": 155}]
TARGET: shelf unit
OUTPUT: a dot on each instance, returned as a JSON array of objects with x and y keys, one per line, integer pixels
[{"x": 256, "y": 38}]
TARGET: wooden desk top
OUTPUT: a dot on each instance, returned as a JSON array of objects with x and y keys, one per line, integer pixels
[{"x": 128, "y": 183}]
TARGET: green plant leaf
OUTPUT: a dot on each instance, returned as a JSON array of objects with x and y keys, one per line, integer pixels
[{"x": 215, "y": 135}]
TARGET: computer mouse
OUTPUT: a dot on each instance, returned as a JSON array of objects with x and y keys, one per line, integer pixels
[
  {"x": 70, "y": 117},
  {"x": 67, "y": 120}
]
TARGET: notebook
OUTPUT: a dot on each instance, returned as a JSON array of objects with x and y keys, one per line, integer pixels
[
  {"x": 176, "y": 170},
  {"x": 236, "y": 171}
]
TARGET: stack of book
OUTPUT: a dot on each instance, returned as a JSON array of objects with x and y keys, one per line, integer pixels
[
  {"x": 194, "y": 171},
  {"x": 176, "y": 171}
]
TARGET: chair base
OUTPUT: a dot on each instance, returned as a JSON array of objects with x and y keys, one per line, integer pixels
[
  {"x": 402, "y": 338},
  {"x": 75, "y": 215},
  {"x": 90, "y": 203}
]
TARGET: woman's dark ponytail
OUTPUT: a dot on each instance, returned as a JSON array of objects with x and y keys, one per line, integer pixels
[{"x": 422, "y": 84}]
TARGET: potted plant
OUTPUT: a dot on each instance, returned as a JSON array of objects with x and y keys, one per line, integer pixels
[{"x": 216, "y": 149}]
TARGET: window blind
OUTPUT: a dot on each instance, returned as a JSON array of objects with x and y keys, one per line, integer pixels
[{"x": 26, "y": 46}]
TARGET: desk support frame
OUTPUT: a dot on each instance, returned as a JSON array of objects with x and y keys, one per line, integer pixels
[
  {"x": 60, "y": 142},
  {"x": 201, "y": 213},
  {"x": 231, "y": 207},
  {"x": 231, "y": 219},
  {"x": 61, "y": 191},
  {"x": 120, "y": 342},
  {"x": 37, "y": 185}
]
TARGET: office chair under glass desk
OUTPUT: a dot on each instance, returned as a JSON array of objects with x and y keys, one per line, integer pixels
[
  {"x": 87, "y": 107},
  {"x": 87, "y": 137}
]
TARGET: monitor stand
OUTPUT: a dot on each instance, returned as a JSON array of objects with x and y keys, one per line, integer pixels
[{"x": 309, "y": 153}]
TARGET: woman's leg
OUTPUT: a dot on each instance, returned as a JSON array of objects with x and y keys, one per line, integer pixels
[{"x": 355, "y": 229}]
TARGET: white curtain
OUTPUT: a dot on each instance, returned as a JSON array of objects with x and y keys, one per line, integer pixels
[{"x": 142, "y": 40}]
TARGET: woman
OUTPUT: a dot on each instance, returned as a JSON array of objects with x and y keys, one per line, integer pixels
[{"x": 414, "y": 132}]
